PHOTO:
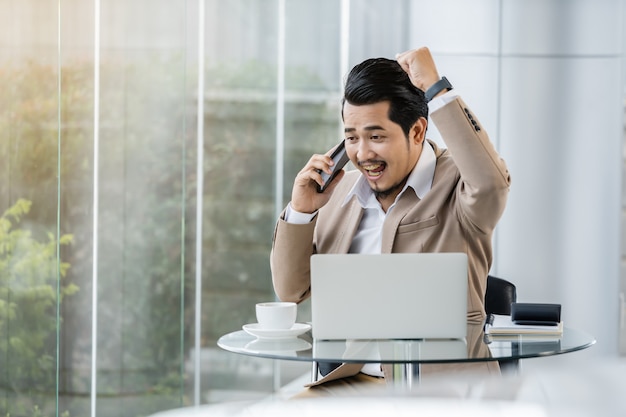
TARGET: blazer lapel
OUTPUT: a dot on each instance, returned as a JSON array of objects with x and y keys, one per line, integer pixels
[
  {"x": 353, "y": 214},
  {"x": 408, "y": 201}
]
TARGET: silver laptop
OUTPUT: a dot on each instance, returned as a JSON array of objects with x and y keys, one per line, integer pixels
[{"x": 389, "y": 296}]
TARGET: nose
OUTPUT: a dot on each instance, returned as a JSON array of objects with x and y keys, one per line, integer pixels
[{"x": 364, "y": 151}]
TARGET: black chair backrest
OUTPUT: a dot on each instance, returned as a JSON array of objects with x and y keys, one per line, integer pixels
[{"x": 499, "y": 296}]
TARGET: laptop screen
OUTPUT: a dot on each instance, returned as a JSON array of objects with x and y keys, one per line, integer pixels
[{"x": 389, "y": 296}]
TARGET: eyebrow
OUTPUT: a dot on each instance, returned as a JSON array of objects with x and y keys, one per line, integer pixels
[{"x": 368, "y": 128}]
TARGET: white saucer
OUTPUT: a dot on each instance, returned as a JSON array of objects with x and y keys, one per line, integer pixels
[
  {"x": 255, "y": 330},
  {"x": 288, "y": 346}
]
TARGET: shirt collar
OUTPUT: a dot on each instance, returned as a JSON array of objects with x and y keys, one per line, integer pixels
[{"x": 420, "y": 180}]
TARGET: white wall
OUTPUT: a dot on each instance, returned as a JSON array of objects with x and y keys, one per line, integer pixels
[{"x": 546, "y": 79}]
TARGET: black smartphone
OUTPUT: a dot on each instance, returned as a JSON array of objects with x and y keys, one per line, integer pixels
[{"x": 340, "y": 157}]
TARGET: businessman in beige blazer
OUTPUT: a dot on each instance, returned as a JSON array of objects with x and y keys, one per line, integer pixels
[{"x": 406, "y": 194}]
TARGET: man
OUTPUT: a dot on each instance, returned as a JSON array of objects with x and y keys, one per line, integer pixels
[{"x": 407, "y": 194}]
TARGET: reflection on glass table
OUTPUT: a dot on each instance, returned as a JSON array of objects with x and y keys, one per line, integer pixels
[{"x": 407, "y": 355}]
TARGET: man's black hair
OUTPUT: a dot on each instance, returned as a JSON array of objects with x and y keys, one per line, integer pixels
[{"x": 381, "y": 79}]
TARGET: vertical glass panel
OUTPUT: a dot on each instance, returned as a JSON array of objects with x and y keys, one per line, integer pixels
[
  {"x": 76, "y": 200},
  {"x": 313, "y": 90},
  {"x": 312, "y": 83},
  {"x": 29, "y": 271},
  {"x": 239, "y": 135},
  {"x": 143, "y": 102}
]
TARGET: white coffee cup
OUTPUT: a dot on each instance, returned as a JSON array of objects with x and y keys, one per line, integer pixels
[{"x": 276, "y": 315}]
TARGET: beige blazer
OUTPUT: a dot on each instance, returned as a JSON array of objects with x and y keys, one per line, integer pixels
[{"x": 459, "y": 213}]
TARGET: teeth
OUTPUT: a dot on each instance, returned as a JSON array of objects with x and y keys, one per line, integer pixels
[{"x": 371, "y": 167}]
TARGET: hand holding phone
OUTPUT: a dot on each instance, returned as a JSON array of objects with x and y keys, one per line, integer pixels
[{"x": 340, "y": 158}]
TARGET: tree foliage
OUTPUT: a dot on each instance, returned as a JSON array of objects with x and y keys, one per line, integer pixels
[{"x": 32, "y": 285}]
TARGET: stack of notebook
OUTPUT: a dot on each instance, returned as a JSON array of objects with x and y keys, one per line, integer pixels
[
  {"x": 498, "y": 325},
  {"x": 529, "y": 319}
]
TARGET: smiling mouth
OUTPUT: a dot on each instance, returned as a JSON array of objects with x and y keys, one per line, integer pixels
[{"x": 373, "y": 169}]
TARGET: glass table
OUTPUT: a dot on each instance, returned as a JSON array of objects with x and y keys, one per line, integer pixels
[{"x": 406, "y": 356}]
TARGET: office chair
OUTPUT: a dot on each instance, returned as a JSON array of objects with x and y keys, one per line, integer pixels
[{"x": 499, "y": 295}]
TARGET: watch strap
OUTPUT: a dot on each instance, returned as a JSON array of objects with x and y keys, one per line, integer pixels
[{"x": 442, "y": 84}]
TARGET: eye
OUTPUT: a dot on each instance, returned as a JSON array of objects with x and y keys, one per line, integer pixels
[{"x": 350, "y": 138}]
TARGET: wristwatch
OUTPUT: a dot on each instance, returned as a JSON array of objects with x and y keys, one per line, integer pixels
[{"x": 439, "y": 86}]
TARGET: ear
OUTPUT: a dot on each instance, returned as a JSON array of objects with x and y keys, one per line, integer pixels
[{"x": 418, "y": 130}]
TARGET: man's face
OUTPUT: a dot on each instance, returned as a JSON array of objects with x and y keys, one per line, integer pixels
[{"x": 378, "y": 147}]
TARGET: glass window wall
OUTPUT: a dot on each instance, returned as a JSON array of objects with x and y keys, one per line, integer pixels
[{"x": 103, "y": 309}]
